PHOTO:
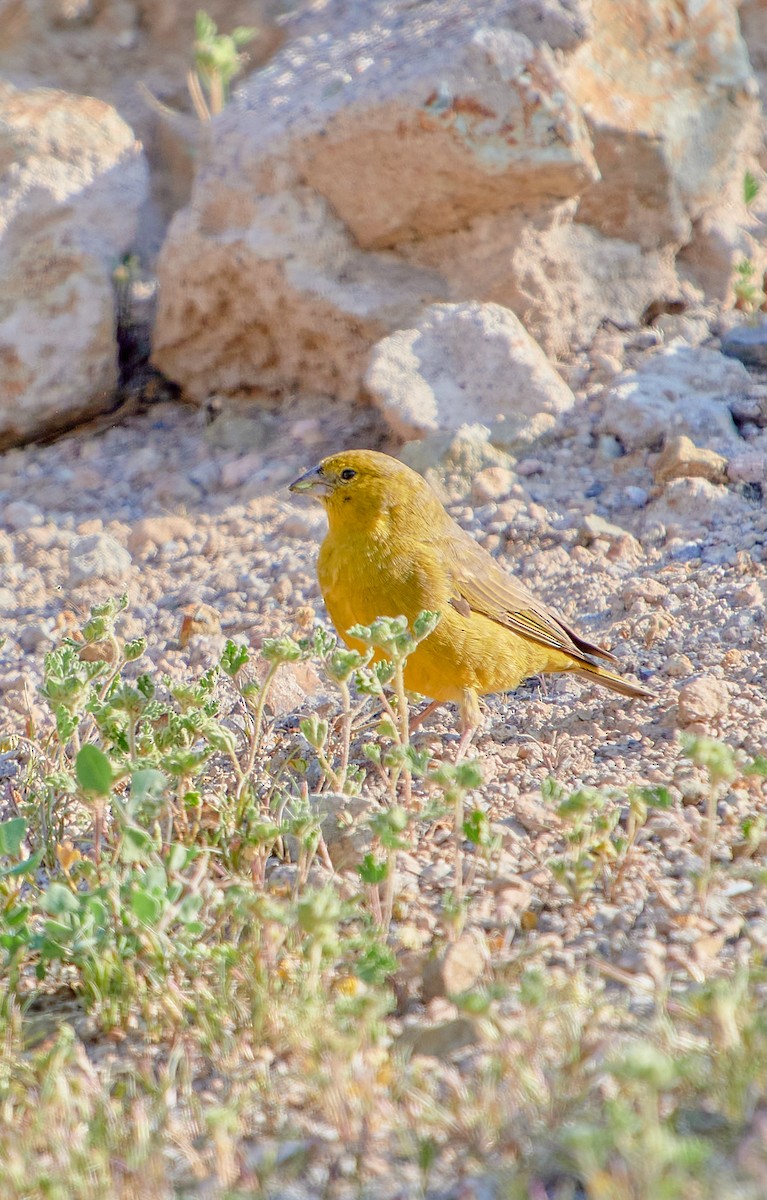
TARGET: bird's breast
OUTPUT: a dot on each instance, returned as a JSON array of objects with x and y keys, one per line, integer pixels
[
  {"x": 361, "y": 581},
  {"x": 369, "y": 577}
]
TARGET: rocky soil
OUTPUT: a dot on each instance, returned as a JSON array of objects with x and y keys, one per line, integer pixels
[
  {"x": 556, "y": 347},
  {"x": 191, "y": 517}
]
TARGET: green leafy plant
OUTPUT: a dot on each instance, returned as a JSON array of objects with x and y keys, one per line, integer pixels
[
  {"x": 749, "y": 292},
  {"x": 218, "y": 59},
  {"x": 600, "y": 830},
  {"x": 589, "y": 817},
  {"x": 751, "y": 187},
  {"x": 719, "y": 763},
  {"x": 182, "y": 950}
]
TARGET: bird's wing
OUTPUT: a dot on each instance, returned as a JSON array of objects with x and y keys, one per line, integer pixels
[{"x": 481, "y": 586}]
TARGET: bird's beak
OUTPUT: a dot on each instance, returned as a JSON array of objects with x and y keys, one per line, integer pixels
[{"x": 310, "y": 482}]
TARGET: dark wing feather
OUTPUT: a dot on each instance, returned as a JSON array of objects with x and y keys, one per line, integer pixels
[{"x": 481, "y": 586}]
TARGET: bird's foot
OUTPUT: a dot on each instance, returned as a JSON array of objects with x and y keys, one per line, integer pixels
[{"x": 465, "y": 742}]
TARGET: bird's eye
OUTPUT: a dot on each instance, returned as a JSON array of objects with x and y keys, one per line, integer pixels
[{"x": 348, "y": 473}]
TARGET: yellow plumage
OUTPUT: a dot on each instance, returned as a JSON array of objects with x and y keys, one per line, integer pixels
[{"x": 392, "y": 549}]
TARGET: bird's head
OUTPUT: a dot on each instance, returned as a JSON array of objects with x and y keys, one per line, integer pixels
[{"x": 357, "y": 487}]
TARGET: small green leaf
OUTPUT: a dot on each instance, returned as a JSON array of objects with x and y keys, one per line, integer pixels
[
  {"x": 133, "y": 650},
  {"x": 323, "y": 642},
  {"x": 343, "y": 663},
  {"x": 96, "y": 629},
  {"x": 204, "y": 26},
  {"x": 281, "y": 650},
  {"x": 717, "y": 758},
  {"x": 425, "y": 623},
  {"x": 242, "y": 34},
  {"x": 189, "y": 908},
  {"x": 319, "y": 913},
  {"x": 233, "y": 658},
  {"x": 137, "y": 845},
  {"x": 372, "y": 871},
  {"x": 58, "y": 899},
  {"x": 476, "y": 827},
  {"x": 147, "y": 784},
  {"x": 315, "y": 730},
  {"x": 375, "y": 964},
  {"x": 178, "y": 856},
  {"x": 11, "y": 836},
  {"x": 468, "y": 774},
  {"x": 750, "y": 187},
  {"x": 218, "y": 737},
  {"x": 146, "y": 907},
  {"x": 646, "y": 1064},
  {"x": 94, "y": 770},
  {"x": 66, "y": 724},
  {"x": 27, "y": 867}
]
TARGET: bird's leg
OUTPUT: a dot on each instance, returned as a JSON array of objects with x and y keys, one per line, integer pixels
[
  {"x": 471, "y": 719},
  {"x": 420, "y": 717},
  {"x": 465, "y": 742}
]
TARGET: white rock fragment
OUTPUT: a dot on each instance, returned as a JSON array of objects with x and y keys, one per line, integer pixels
[
  {"x": 21, "y": 514},
  {"x": 492, "y": 484},
  {"x": 703, "y": 699},
  {"x": 594, "y": 527},
  {"x": 462, "y": 363},
  {"x": 678, "y": 666},
  {"x": 691, "y": 506},
  {"x": 680, "y": 390},
  {"x": 681, "y": 458},
  {"x": 97, "y": 556},
  {"x": 157, "y": 531}
]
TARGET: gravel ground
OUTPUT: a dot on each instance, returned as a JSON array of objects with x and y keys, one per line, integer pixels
[{"x": 193, "y": 519}]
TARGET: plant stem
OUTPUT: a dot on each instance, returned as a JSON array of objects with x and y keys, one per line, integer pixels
[
  {"x": 388, "y": 891},
  {"x": 458, "y": 842},
  {"x": 255, "y": 735},
  {"x": 708, "y": 845},
  {"x": 403, "y": 721},
  {"x": 346, "y": 733}
]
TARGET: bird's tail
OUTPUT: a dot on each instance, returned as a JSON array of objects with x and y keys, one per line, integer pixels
[{"x": 612, "y": 681}]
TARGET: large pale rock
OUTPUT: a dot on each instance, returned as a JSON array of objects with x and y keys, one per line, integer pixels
[
  {"x": 443, "y": 150},
  {"x": 672, "y": 102},
  {"x": 412, "y": 120},
  {"x": 271, "y": 291},
  {"x": 342, "y": 147},
  {"x": 753, "y": 26},
  {"x": 134, "y": 55},
  {"x": 562, "y": 279},
  {"x": 462, "y": 363},
  {"x": 72, "y": 180},
  {"x": 460, "y": 126},
  {"x": 561, "y": 24},
  {"x": 681, "y": 390},
  {"x": 674, "y": 138}
]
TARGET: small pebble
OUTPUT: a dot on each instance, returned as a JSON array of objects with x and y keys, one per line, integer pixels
[
  {"x": 703, "y": 699},
  {"x": 20, "y": 514},
  {"x": 97, "y": 556}
]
